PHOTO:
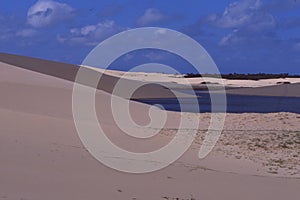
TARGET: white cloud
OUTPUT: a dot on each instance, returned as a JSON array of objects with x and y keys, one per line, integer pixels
[
  {"x": 26, "y": 33},
  {"x": 161, "y": 31},
  {"x": 238, "y": 13},
  {"x": 87, "y": 29},
  {"x": 231, "y": 38},
  {"x": 91, "y": 35},
  {"x": 154, "y": 56},
  {"x": 245, "y": 14},
  {"x": 297, "y": 46},
  {"x": 151, "y": 16},
  {"x": 281, "y": 5},
  {"x": 247, "y": 18},
  {"x": 48, "y": 12}
]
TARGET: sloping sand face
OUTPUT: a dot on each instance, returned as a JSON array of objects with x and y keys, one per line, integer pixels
[
  {"x": 68, "y": 72},
  {"x": 42, "y": 156}
]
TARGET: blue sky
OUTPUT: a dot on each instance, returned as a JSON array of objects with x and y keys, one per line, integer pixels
[{"x": 245, "y": 36}]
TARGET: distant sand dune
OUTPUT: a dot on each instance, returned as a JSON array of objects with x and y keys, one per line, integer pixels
[{"x": 285, "y": 90}]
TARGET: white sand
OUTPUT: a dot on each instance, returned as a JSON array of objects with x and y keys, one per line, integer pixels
[
  {"x": 43, "y": 158},
  {"x": 179, "y": 79}
]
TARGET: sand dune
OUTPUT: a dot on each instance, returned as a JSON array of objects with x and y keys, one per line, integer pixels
[
  {"x": 286, "y": 90},
  {"x": 43, "y": 158},
  {"x": 267, "y": 87},
  {"x": 68, "y": 72},
  {"x": 179, "y": 79}
]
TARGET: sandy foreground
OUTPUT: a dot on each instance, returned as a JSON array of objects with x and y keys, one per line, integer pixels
[{"x": 42, "y": 157}]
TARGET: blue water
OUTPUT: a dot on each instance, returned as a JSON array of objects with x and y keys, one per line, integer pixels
[{"x": 235, "y": 104}]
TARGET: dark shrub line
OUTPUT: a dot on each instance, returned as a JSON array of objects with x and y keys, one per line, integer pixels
[{"x": 236, "y": 76}]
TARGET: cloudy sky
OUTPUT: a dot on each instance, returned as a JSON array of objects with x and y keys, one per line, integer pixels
[{"x": 245, "y": 36}]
